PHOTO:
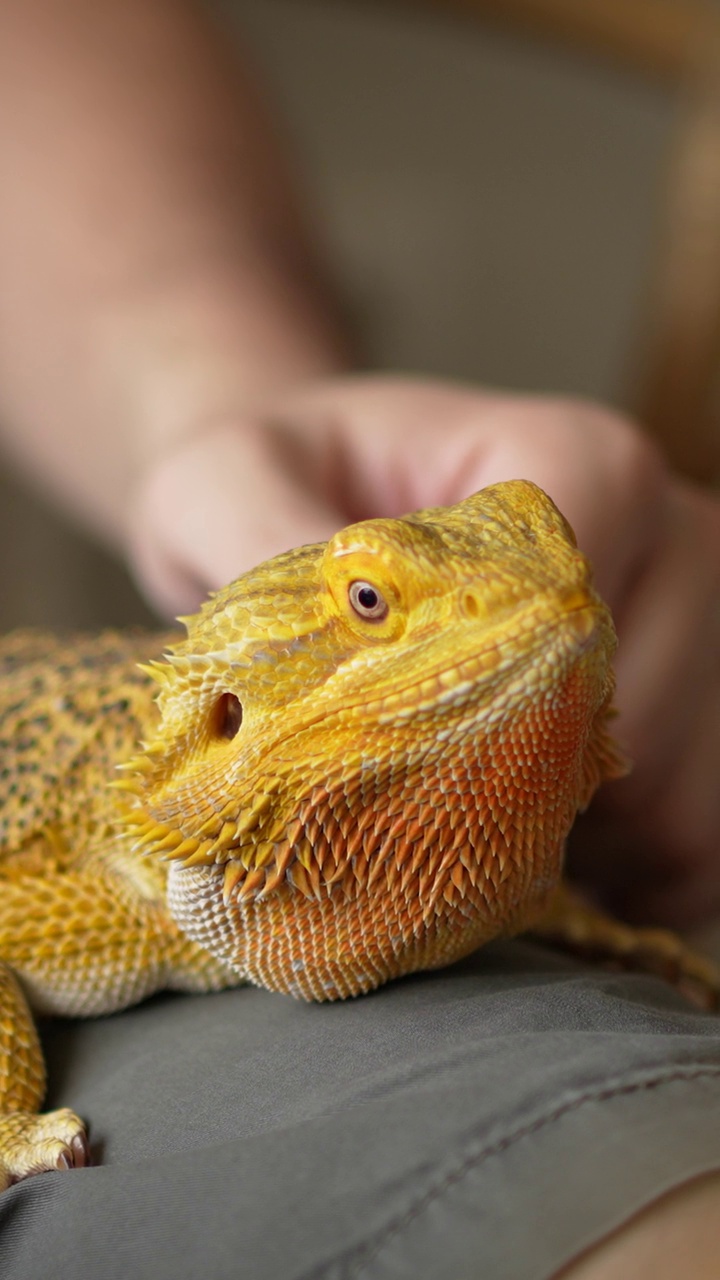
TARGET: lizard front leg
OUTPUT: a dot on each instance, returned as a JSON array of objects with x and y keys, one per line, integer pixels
[
  {"x": 29, "y": 1143},
  {"x": 572, "y": 923},
  {"x": 75, "y": 943}
]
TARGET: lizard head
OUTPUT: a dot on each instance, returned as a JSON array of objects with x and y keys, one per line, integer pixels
[{"x": 387, "y": 736}]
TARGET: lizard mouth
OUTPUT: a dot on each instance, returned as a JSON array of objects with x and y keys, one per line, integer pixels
[
  {"x": 557, "y": 642},
  {"x": 517, "y": 666}
]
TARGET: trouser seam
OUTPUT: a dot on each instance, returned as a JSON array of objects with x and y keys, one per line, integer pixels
[{"x": 359, "y": 1258}]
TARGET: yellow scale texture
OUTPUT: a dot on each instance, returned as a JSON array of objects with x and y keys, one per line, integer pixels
[{"x": 312, "y": 791}]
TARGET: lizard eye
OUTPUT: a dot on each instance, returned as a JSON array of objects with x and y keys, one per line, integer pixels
[
  {"x": 227, "y": 716},
  {"x": 367, "y": 601}
]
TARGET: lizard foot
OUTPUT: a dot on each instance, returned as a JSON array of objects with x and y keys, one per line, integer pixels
[
  {"x": 571, "y": 923},
  {"x": 35, "y": 1143}
]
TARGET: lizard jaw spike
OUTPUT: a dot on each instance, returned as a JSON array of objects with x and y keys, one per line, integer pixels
[
  {"x": 157, "y": 671},
  {"x": 234, "y": 873}
]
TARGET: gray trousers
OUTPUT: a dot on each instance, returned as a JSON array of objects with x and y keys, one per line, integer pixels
[{"x": 485, "y": 1122}]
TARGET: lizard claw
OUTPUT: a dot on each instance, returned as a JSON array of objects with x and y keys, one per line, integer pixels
[
  {"x": 81, "y": 1150},
  {"x": 31, "y": 1144},
  {"x": 76, "y": 1156}
]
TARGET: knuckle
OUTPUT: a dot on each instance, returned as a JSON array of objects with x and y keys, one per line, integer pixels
[{"x": 632, "y": 459}]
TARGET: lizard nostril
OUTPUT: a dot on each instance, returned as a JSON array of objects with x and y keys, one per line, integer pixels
[{"x": 227, "y": 716}]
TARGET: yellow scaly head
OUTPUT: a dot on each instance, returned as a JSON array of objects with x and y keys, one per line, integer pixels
[{"x": 370, "y": 752}]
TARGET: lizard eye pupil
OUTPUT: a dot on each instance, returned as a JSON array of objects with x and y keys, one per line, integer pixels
[
  {"x": 228, "y": 716},
  {"x": 367, "y": 601}
]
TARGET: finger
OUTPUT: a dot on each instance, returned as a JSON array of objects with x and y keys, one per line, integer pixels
[
  {"x": 685, "y": 826},
  {"x": 218, "y": 505},
  {"x": 389, "y": 445},
  {"x": 668, "y": 654},
  {"x": 602, "y": 473}
]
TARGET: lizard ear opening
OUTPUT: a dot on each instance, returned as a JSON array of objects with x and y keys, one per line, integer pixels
[{"x": 227, "y": 716}]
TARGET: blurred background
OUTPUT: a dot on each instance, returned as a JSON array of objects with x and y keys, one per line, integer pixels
[{"x": 508, "y": 194}]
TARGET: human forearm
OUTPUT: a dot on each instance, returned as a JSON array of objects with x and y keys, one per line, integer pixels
[{"x": 155, "y": 269}]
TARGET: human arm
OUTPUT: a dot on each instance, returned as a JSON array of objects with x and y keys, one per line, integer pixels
[{"x": 157, "y": 273}]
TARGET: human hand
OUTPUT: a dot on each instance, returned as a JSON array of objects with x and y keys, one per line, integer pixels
[{"x": 352, "y": 448}]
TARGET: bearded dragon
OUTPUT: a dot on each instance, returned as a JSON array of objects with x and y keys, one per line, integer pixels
[{"x": 363, "y": 761}]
